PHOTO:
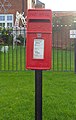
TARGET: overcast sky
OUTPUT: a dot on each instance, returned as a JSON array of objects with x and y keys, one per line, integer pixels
[{"x": 60, "y": 5}]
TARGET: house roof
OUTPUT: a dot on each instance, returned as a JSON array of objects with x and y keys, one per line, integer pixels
[{"x": 64, "y": 13}]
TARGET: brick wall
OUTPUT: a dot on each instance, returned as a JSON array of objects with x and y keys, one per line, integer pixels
[{"x": 11, "y": 6}]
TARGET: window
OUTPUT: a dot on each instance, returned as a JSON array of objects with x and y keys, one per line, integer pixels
[
  {"x": 2, "y": 18},
  {"x": 9, "y": 24},
  {"x": 6, "y": 20},
  {"x": 9, "y": 18},
  {"x": 2, "y": 24}
]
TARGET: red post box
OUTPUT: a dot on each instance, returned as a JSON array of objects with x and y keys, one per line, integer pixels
[{"x": 39, "y": 39}]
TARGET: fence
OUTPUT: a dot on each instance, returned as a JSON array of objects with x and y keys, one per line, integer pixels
[
  {"x": 63, "y": 48},
  {"x": 12, "y": 49}
]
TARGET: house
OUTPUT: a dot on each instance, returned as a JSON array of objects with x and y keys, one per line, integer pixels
[
  {"x": 8, "y": 9},
  {"x": 64, "y": 17},
  {"x": 63, "y": 22}
]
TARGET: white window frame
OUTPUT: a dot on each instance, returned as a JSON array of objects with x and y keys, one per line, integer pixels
[{"x": 7, "y": 21}]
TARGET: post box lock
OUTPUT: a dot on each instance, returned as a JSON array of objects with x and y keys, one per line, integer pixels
[{"x": 39, "y": 35}]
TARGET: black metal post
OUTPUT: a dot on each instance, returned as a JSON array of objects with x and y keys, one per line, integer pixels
[
  {"x": 75, "y": 53},
  {"x": 38, "y": 94}
]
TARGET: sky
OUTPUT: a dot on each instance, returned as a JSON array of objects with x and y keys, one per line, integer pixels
[{"x": 60, "y": 5}]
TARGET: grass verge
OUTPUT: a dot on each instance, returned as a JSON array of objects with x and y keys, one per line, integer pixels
[{"x": 17, "y": 93}]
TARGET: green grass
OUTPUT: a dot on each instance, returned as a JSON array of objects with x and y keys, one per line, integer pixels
[
  {"x": 59, "y": 96},
  {"x": 16, "y": 96},
  {"x": 17, "y": 92}
]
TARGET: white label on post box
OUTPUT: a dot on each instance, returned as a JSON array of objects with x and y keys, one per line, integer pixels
[{"x": 38, "y": 52}]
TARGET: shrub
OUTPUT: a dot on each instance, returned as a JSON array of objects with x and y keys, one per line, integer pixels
[{"x": 6, "y": 36}]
